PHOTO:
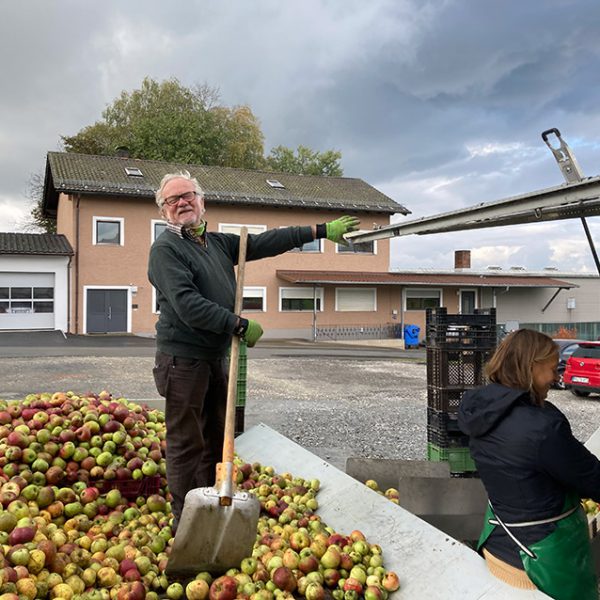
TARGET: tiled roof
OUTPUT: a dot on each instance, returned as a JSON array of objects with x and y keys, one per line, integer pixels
[
  {"x": 86, "y": 174},
  {"x": 384, "y": 278},
  {"x": 35, "y": 243}
]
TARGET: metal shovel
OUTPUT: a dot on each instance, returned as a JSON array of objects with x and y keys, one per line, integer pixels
[{"x": 218, "y": 524}]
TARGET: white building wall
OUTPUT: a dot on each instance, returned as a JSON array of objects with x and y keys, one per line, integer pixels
[
  {"x": 58, "y": 266},
  {"x": 578, "y": 305}
]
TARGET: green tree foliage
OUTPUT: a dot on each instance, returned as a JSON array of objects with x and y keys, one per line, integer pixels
[
  {"x": 168, "y": 121},
  {"x": 305, "y": 161},
  {"x": 37, "y": 222}
]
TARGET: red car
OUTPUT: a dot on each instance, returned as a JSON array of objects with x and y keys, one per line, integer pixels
[{"x": 582, "y": 373}]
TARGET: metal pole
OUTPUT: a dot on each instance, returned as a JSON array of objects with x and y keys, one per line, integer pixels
[
  {"x": 314, "y": 313},
  {"x": 591, "y": 243},
  {"x": 402, "y": 313}
]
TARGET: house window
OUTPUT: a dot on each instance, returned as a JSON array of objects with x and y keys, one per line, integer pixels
[
  {"x": 362, "y": 248},
  {"x": 300, "y": 299},
  {"x": 235, "y": 228},
  {"x": 26, "y": 300},
  {"x": 158, "y": 227},
  {"x": 255, "y": 299},
  {"x": 108, "y": 231},
  {"x": 155, "y": 307},
  {"x": 314, "y": 246},
  {"x": 468, "y": 302},
  {"x": 422, "y": 299},
  {"x": 356, "y": 299}
]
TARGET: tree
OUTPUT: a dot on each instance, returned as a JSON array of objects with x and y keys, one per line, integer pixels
[
  {"x": 37, "y": 223},
  {"x": 168, "y": 121},
  {"x": 305, "y": 161}
]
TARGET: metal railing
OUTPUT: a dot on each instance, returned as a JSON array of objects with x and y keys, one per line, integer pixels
[{"x": 358, "y": 332}]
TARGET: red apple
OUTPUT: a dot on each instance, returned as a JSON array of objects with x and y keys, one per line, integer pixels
[{"x": 223, "y": 588}]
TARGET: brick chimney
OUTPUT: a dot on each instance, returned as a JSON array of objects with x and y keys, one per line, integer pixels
[{"x": 462, "y": 259}]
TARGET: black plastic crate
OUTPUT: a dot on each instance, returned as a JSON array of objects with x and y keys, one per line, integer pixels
[
  {"x": 239, "y": 420},
  {"x": 444, "y": 399},
  {"x": 459, "y": 367},
  {"x": 443, "y": 420},
  {"x": 482, "y": 317},
  {"x": 447, "y": 439},
  {"x": 461, "y": 331}
]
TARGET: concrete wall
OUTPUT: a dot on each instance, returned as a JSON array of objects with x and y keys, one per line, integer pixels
[{"x": 525, "y": 305}]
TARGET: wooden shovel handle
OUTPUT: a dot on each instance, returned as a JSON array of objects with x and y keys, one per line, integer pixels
[{"x": 225, "y": 471}]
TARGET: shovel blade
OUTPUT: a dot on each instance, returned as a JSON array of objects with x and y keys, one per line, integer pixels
[{"x": 211, "y": 537}]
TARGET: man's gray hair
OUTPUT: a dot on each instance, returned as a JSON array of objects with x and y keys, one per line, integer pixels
[{"x": 169, "y": 177}]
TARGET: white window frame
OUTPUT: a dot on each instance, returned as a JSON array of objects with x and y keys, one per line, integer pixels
[
  {"x": 153, "y": 308},
  {"x": 119, "y": 220},
  {"x": 352, "y": 253},
  {"x": 361, "y": 289},
  {"x": 431, "y": 291},
  {"x": 460, "y": 291},
  {"x": 310, "y": 293},
  {"x": 107, "y": 287},
  {"x": 256, "y": 292},
  {"x": 235, "y": 228},
  {"x": 153, "y": 224}
]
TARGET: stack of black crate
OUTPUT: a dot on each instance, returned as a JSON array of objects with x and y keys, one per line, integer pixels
[{"x": 458, "y": 347}]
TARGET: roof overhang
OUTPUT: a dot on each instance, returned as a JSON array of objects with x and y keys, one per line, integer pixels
[{"x": 420, "y": 279}]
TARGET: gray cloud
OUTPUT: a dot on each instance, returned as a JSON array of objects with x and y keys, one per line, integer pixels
[{"x": 438, "y": 103}]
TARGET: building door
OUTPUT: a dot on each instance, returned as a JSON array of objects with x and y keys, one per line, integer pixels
[
  {"x": 106, "y": 311},
  {"x": 468, "y": 302}
]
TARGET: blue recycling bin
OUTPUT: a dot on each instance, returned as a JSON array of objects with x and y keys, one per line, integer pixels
[{"x": 411, "y": 336}]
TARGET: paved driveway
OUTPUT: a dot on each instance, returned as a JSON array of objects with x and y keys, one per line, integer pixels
[{"x": 337, "y": 400}]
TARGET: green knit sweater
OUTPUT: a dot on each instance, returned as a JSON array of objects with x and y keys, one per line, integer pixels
[{"x": 195, "y": 287}]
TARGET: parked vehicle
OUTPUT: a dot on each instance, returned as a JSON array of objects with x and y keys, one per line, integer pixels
[
  {"x": 566, "y": 347},
  {"x": 582, "y": 373}
]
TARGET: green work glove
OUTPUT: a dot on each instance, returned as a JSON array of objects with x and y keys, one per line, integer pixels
[
  {"x": 253, "y": 333},
  {"x": 336, "y": 229}
]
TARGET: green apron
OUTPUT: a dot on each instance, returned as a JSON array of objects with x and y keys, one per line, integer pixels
[{"x": 560, "y": 565}]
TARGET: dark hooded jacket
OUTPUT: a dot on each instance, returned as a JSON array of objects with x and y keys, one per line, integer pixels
[{"x": 528, "y": 461}]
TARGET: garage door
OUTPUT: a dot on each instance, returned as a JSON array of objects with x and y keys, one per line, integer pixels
[{"x": 26, "y": 300}]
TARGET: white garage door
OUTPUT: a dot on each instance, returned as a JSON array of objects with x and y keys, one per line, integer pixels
[{"x": 26, "y": 300}]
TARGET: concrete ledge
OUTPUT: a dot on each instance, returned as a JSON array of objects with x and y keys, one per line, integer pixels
[
  {"x": 429, "y": 563},
  {"x": 454, "y": 505}
]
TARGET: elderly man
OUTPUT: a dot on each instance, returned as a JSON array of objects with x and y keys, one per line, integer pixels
[{"x": 193, "y": 273}]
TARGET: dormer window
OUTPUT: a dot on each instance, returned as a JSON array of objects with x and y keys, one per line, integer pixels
[
  {"x": 276, "y": 184},
  {"x": 133, "y": 172}
]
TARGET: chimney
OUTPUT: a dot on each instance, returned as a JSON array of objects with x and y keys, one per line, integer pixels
[{"x": 462, "y": 259}]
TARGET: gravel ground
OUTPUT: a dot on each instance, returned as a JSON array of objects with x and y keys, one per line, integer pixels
[{"x": 335, "y": 407}]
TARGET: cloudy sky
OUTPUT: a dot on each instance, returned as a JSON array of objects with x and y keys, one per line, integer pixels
[{"x": 439, "y": 104}]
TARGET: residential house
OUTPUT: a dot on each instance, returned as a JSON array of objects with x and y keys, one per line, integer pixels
[{"x": 105, "y": 207}]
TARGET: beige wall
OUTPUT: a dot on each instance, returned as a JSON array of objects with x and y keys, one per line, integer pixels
[{"x": 126, "y": 266}]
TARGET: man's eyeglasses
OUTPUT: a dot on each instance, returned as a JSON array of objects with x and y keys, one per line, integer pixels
[{"x": 188, "y": 197}]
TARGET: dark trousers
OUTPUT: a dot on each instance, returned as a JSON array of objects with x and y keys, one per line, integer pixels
[{"x": 196, "y": 395}]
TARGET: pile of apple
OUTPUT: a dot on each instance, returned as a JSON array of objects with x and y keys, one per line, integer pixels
[
  {"x": 391, "y": 494},
  {"x": 65, "y": 534}
]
